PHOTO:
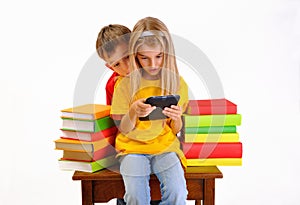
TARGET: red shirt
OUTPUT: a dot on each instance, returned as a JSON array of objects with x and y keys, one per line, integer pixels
[{"x": 110, "y": 87}]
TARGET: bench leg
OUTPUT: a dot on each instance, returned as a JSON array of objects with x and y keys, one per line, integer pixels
[
  {"x": 197, "y": 202},
  {"x": 209, "y": 192},
  {"x": 87, "y": 192}
]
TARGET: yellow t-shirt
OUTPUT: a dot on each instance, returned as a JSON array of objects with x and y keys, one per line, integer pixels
[{"x": 148, "y": 137}]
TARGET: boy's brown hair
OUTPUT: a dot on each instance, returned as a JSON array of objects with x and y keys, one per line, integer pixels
[{"x": 109, "y": 37}]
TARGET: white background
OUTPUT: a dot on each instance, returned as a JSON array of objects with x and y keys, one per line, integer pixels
[{"x": 253, "y": 45}]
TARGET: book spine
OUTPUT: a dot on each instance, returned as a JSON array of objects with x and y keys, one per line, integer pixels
[
  {"x": 195, "y": 110},
  {"x": 212, "y": 137},
  {"x": 89, "y": 156},
  {"x": 104, "y": 133},
  {"x": 212, "y": 150},
  {"x": 88, "y": 136},
  {"x": 210, "y": 129},
  {"x": 103, "y": 143},
  {"x": 103, "y": 163},
  {"x": 212, "y": 120},
  {"x": 104, "y": 152},
  {"x": 103, "y": 123},
  {"x": 215, "y": 162}
]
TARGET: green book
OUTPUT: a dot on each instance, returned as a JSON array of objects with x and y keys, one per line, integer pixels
[
  {"x": 87, "y": 166},
  {"x": 212, "y": 120},
  {"x": 210, "y": 129},
  {"x": 87, "y": 125}
]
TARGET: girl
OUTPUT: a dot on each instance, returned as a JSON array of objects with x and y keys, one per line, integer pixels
[{"x": 152, "y": 146}]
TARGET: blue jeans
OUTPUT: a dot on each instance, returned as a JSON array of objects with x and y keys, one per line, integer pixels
[{"x": 136, "y": 169}]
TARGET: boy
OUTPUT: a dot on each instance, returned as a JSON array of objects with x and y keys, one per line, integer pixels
[{"x": 112, "y": 47}]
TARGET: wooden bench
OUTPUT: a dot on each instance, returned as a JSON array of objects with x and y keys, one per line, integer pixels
[{"x": 104, "y": 185}]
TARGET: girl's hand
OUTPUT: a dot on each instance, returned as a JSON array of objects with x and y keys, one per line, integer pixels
[
  {"x": 174, "y": 112},
  {"x": 141, "y": 109},
  {"x": 136, "y": 110}
]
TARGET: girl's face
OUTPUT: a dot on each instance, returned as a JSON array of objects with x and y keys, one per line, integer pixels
[{"x": 151, "y": 60}]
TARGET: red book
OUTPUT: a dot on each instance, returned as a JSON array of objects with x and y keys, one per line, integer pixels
[
  {"x": 211, "y": 107},
  {"x": 212, "y": 150},
  {"x": 89, "y": 156},
  {"x": 88, "y": 136}
]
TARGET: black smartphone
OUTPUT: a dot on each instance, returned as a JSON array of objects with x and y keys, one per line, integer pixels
[{"x": 160, "y": 102}]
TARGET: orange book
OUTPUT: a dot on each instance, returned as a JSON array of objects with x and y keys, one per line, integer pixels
[
  {"x": 87, "y": 111},
  {"x": 89, "y": 156},
  {"x": 83, "y": 146}
]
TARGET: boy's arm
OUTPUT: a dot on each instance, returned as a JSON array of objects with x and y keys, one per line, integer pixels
[{"x": 109, "y": 88}]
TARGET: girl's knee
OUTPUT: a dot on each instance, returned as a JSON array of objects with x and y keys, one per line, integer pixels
[
  {"x": 174, "y": 196},
  {"x": 137, "y": 190},
  {"x": 178, "y": 191}
]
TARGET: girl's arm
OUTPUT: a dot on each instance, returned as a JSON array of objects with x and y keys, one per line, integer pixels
[
  {"x": 175, "y": 114},
  {"x": 136, "y": 110}
]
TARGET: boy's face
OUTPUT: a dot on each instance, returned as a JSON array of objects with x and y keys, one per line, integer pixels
[{"x": 119, "y": 60}]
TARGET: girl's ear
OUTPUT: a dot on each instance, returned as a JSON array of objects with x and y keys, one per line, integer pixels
[{"x": 110, "y": 67}]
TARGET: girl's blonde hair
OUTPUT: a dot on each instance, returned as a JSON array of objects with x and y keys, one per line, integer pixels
[{"x": 152, "y": 32}]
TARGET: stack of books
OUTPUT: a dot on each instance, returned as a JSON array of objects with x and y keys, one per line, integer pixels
[
  {"x": 211, "y": 137},
  {"x": 87, "y": 138}
]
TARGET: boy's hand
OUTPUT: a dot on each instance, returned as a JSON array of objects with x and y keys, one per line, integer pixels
[
  {"x": 141, "y": 109},
  {"x": 174, "y": 112}
]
